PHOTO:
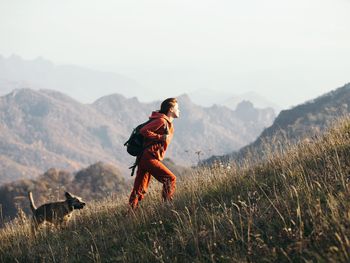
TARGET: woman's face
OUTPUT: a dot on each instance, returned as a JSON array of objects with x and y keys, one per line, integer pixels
[{"x": 174, "y": 111}]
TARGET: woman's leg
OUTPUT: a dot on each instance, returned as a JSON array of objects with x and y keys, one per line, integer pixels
[
  {"x": 163, "y": 175},
  {"x": 140, "y": 187}
]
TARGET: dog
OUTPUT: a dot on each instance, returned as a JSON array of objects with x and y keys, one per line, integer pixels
[{"x": 57, "y": 213}]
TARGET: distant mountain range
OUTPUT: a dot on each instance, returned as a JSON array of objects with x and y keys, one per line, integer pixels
[
  {"x": 44, "y": 129},
  {"x": 80, "y": 83},
  {"x": 86, "y": 85},
  {"x": 299, "y": 123},
  {"x": 208, "y": 98}
]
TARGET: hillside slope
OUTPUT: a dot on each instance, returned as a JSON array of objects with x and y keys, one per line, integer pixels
[
  {"x": 304, "y": 121},
  {"x": 294, "y": 207}
]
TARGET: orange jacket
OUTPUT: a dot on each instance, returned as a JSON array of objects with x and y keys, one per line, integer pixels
[{"x": 153, "y": 133}]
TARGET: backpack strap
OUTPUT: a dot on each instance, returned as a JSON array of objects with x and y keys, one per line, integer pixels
[{"x": 133, "y": 167}]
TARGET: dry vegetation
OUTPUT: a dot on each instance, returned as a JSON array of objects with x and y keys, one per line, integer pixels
[
  {"x": 91, "y": 183},
  {"x": 293, "y": 207}
]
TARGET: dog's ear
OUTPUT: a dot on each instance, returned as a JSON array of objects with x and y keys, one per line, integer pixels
[{"x": 68, "y": 195}]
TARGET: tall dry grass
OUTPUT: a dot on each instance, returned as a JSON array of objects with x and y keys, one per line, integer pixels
[{"x": 292, "y": 207}]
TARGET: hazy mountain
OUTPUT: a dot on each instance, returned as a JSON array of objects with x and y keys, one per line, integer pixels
[
  {"x": 246, "y": 111},
  {"x": 207, "y": 98},
  {"x": 256, "y": 99},
  {"x": 301, "y": 122},
  {"x": 44, "y": 129},
  {"x": 75, "y": 81}
]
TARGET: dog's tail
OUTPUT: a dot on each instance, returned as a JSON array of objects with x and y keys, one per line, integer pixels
[{"x": 31, "y": 201}]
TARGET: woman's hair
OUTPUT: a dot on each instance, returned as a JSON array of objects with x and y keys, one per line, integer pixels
[{"x": 167, "y": 105}]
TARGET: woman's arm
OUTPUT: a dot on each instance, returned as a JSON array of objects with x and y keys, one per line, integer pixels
[{"x": 149, "y": 130}]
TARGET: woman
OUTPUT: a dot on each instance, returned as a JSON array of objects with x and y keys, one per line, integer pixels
[{"x": 157, "y": 136}]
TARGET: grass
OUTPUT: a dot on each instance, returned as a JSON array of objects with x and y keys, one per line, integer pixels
[{"x": 292, "y": 207}]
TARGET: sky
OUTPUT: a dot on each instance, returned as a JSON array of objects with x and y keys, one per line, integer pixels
[{"x": 289, "y": 51}]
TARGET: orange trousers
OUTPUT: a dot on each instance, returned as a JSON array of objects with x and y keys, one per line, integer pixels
[{"x": 149, "y": 166}]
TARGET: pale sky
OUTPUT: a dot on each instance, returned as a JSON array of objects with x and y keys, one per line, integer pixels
[{"x": 286, "y": 50}]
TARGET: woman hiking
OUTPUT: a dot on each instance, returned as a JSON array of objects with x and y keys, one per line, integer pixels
[{"x": 157, "y": 136}]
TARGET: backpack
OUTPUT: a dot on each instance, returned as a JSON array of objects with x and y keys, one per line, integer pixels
[{"x": 134, "y": 145}]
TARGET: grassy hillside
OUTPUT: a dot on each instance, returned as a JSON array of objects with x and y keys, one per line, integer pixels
[
  {"x": 295, "y": 207},
  {"x": 94, "y": 182}
]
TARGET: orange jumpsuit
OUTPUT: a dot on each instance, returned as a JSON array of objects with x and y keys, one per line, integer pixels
[{"x": 150, "y": 161}]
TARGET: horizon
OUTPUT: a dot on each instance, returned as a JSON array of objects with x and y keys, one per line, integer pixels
[
  {"x": 275, "y": 106},
  {"x": 288, "y": 52}
]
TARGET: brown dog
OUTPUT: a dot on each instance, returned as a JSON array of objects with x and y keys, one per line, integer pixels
[{"x": 57, "y": 213}]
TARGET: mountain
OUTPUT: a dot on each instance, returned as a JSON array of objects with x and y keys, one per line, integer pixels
[
  {"x": 44, "y": 129},
  {"x": 256, "y": 99},
  {"x": 199, "y": 132},
  {"x": 207, "y": 98},
  {"x": 301, "y": 122},
  {"x": 246, "y": 111},
  {"x": 81, "y": 83}
]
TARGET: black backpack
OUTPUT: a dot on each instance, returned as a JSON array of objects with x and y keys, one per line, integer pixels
[{"x": 134, "y": 145}]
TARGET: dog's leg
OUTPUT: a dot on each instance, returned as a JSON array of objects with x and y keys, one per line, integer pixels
[{"x": 63, "y": 223}]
